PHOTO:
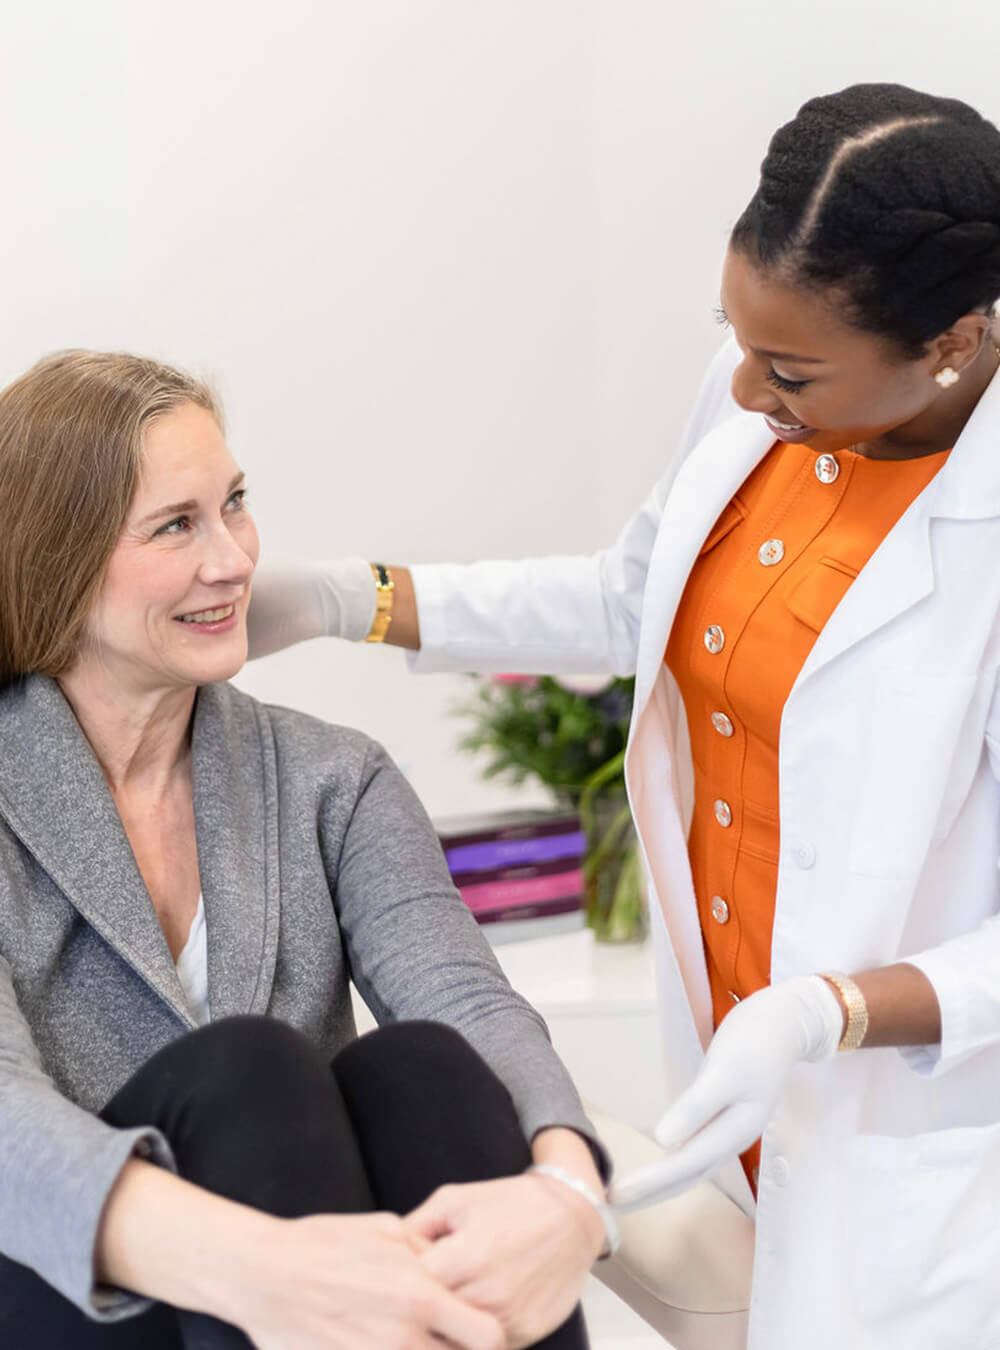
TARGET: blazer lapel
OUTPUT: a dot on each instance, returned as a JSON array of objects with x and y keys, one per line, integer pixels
[
  {"x": 54, "y": 797},
  {"x": 236, "y": 814}
]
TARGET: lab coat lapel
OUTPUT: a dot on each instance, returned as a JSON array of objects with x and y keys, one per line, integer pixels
[
  {"x": 901, "y": 571},
  {"x": 54, "y": 797},
  {"x": 706, "y": 481},
  {"x": 703, "y": 485},
  {"x": 236, "y": 814}
]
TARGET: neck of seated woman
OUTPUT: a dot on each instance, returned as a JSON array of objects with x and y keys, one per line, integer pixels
[{"x": 141, "y": 738}]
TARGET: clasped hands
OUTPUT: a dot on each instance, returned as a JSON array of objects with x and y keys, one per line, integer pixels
[
  {"x": 518, "y": 1248},
  {"x": 491, "y": 1265},
  {"x": 746, "y": 1067}
]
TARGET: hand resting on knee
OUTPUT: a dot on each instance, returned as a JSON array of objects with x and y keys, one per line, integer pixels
[{"x": 519, "y": 1247}]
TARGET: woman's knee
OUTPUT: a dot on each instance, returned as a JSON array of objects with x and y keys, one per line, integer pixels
[
  {"x": 251, "y": 1111},
  {"x": 239, "y": 1064},
  {"x": 427, "y": 1045},
  {"x": 421, "y": 1071},
  {"x": 246, "y": 1062},
  {"x": 427, "y": 1110}
]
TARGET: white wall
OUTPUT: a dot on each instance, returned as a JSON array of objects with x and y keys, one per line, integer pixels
[{"x": 450, "y": 261}]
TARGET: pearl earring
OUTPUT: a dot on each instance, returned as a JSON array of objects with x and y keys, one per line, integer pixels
[{"x": 947, "y": 377}]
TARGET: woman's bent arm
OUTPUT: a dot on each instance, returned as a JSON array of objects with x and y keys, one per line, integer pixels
[
  {"x": 344, "y": 1281},
  {"x": 165, "y": 1238}
]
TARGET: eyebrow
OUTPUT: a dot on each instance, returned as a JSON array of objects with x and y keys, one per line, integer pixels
[
  {"x": 179, "y": 508},
  {"x": 788, "y": 356}
]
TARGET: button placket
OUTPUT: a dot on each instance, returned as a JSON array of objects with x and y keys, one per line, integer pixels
[
  {"x": 718, "y": 916},
  {"x": 756, "y": 565}
]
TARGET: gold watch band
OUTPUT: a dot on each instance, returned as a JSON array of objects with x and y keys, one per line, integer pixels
[
  {"x": 384, "y": 588},
  {"x": 857, "y": 1009}
]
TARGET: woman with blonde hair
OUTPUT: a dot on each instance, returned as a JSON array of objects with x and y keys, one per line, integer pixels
[{"x": 195, "y": 1149}]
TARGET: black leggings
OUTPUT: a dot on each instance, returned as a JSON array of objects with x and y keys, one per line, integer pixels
[{"x": 253, "y": 1112}]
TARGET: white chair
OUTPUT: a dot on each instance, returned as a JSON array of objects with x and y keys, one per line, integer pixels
[{"x": 685, "y": 1265}]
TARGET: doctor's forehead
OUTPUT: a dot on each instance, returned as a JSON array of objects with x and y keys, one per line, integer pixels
[{"x": 781, "y": 321}]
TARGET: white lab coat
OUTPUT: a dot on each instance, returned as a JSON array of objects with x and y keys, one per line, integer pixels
[{"x": 881, "y": 1170}]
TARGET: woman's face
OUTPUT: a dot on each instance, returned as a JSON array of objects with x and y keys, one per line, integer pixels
[
  {"x": 816, "y": 379},
  {"x": 172, "y": 611}
]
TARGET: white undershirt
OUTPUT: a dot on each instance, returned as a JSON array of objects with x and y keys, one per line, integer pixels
[{"x": 192, "y": 966}]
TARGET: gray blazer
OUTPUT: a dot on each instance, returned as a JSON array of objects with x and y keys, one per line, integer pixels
[{"x": 318, "y": 865}]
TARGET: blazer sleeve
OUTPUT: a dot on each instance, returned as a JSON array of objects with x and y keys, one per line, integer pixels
[
  {"x": 965, "y": 973},
  {"x": 417, "y": 953},
  {"x": 58, "y": 1164},
  {"x": 558, "y": 614}
]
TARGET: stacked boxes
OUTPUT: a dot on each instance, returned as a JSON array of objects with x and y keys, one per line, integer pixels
[{"x": 517, "y": 865}]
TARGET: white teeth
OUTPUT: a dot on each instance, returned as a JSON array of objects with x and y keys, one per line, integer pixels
[
  {"x": 208, "y": 615},
  {"x": 787, "y": 426}
]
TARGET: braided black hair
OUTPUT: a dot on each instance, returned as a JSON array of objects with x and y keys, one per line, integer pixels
[{"x": 891, "y": 198}]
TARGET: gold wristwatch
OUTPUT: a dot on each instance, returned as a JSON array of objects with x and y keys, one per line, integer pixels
[
  {"x": 384, "y": 587},
  {"x": 857, "y": 1009}
]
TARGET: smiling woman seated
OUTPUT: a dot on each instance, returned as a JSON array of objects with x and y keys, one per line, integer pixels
[{"x": 193, "y": 1143}]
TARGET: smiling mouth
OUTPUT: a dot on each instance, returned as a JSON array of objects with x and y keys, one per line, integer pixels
[
  {"x": 787, "y": 426},
  {"x": 209, "y": 615}
]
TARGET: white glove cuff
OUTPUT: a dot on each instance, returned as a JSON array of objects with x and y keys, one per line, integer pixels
[
  {"x": 825, "y": 1017},
  {"x": 294, "y": 600},
  {"x": 345, "y": 589}
]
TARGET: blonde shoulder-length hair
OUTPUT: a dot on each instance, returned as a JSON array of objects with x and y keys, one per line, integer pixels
[{"x": 71, "y": 432}]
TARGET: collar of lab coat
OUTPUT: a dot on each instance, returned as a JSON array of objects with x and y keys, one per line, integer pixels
[{"x": 899, "y": 574}]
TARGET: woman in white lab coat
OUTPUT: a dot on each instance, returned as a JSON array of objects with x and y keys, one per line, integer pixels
[{"x": 859, "y": 284}]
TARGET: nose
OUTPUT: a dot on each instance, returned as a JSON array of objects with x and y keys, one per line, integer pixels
[
  {"x": 226, "y": 559},
  {"x": 751, "y": 390}
]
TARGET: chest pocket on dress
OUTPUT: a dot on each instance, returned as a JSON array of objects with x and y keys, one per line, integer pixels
[
  {"x": 814, "y": 598},
  {"x": 733, "y": 515}
]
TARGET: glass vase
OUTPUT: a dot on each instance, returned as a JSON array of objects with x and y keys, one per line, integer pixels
[{"x": 614, "y": 894}]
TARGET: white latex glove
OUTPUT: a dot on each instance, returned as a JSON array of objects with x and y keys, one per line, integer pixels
[
  {"x": 746, "y": 1068},
  {"x": 293, "y": 600}
]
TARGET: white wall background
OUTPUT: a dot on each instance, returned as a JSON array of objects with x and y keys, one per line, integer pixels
[{"x": 451, "y": 262}]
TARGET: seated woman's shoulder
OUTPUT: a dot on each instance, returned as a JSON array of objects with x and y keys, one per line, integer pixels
[{"x": 299, "y": 738}]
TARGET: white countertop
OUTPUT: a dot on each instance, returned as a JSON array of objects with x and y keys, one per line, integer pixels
[{"x": 571, "y": 973}]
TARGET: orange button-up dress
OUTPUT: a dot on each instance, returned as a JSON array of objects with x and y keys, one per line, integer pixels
[{"x": 771, "y": 572}]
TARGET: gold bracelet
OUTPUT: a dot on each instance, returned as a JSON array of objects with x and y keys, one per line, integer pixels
[
  {"x": 384, "y": 588},
  {"x": 857, "y": 1009}
]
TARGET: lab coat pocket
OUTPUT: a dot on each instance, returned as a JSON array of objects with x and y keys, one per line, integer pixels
[
  {"x": 923, "y": 745},
  {"x": 924, "y": 1243}
]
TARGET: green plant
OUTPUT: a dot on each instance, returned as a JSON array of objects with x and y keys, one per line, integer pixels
[
  {"x": 562, "y": 733},
  {"x": 571, "y": 736}
]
